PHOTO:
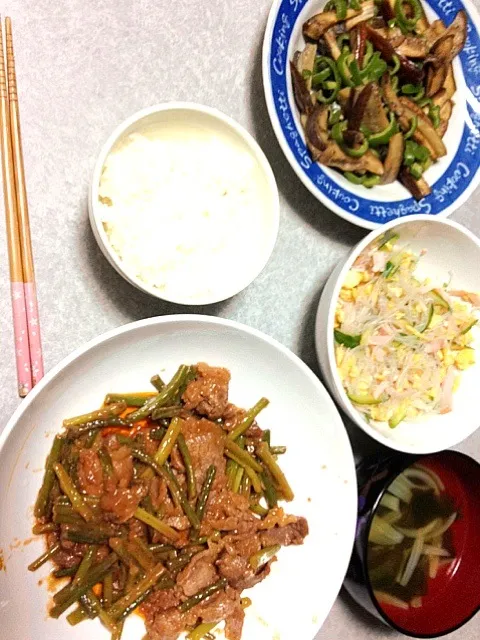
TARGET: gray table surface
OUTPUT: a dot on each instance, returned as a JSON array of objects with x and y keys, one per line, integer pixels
[{"x": 83, "y": 67}]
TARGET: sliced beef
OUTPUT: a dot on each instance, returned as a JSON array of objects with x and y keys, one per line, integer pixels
[
  {"x": 228, "y": 511},
  {"x": 234, "y": 565},
  {"x": 232, "y": 416},
  {"x": 277, "y": 517},
  {"x": 161, "y": 600},
  {"x": 236, "y": 569},
  {"x": 293, "y": 533},
  {"x": 136, "y": 529},
  {"x": 180, "y": 523},
  {"x": 122, "y": 465},
  {"x": 120, "y": 504},
  {"x": 234, "y": 624},
  {"x": 208, "y": 393},
  {"x": 70, "y": 554},
  {"x": 90, "y": 474},
  {"x": 165, "y": 625},
  {"x": 199, "y": 573},
  {"x": 176, "y": 459},
  {"x": 205, "y": 441},
  {"x": 219, "y": 607}
]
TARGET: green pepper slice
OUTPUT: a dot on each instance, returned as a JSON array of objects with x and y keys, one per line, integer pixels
[
  {"x": 413, "y": 127},
  {"x": 357, "y": 152},
  {"x": 405, "y": 23},
  {"x": 353, "y": 177},
  {"x": 371, "y": 181},
  {"x": 326, "y": 79},
  {"x": 343, "y": 63},
  {"x": 337, "y": 132},
  {"x": 434, "y": 115},
  {"x": 396, "y": 65},
  {"x": 382, "y": 137},
  {"x": 416, "y": 170}
]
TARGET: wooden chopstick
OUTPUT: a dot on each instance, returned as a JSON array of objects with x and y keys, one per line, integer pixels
[
  {"x": 36, "y": 357},
  {"x": 22, "y": 281},
  {"x": 20, "y": 329}
]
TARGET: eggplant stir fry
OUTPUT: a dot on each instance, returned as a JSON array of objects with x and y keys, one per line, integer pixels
[
  {"x": 167, "y": 501},
  {"x": 374, "y": 86}
]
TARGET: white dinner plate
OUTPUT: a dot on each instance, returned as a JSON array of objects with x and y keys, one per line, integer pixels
[{"x": 293, "y": 602}]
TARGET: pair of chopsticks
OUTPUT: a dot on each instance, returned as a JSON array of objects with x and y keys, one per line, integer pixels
[{"x": 26, "y": 328}]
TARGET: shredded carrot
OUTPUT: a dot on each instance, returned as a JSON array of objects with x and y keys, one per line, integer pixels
[
  {"x": 98, "y": 589},
  {"x": 115, "y": 430},
  {"x": 139, "y": 426}
]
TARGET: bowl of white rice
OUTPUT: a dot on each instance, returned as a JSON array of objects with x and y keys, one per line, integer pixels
[{"x": 184, "y": 204}]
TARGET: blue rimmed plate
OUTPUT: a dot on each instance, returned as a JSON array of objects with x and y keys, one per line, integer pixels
[{"x": 453, "y": 178}]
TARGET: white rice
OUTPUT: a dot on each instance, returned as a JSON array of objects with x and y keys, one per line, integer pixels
[{"x": 183, "y": 212}]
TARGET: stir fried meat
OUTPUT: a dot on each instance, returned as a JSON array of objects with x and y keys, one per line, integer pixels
[
  {"x": 374, "y": 86},
  {"x": 175, "y": 514}
]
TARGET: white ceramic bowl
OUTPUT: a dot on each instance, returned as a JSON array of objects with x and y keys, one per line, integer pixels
[
  {"x": 296, "y": 598},
  {"x": 194, "y": 116},
  {"x": 451, "y": 250}
]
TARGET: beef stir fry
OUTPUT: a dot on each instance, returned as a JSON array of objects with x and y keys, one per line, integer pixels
[
  {"x": 168, "y": 501},
  {"x": 374, "y": 86}
]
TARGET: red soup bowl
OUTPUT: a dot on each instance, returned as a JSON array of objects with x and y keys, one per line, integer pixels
[{"x": 448, "y": 593}]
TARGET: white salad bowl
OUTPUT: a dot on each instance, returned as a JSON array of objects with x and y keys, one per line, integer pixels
[
  {"x": 296, "y": 598},
  {"x": 163, "y": 119},
  {"x": 452, "y": 253}
]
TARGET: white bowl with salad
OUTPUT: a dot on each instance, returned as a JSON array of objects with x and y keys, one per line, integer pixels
[{"x": 397, "y": 334}]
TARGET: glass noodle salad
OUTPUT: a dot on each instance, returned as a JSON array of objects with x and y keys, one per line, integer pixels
[{"x": 400, "y": 342}]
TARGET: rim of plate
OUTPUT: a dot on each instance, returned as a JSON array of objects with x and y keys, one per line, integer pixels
[
  {"x": 106, "y": 148},
  {"x": 469, "y": 137},
  {"x": 255, "y": 333}
]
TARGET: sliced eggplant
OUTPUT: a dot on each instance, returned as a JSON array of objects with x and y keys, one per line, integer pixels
[
  {"x": 306, "y": 61},
  {"x": 412, "y": 47},
  {"x": 357, "y": 112},
  {"x": 367, "y": 12},
  {"x": 422, "y": 23},
  {"x": 316, "y": 130},
  {"x": 418, "y": 188},
  {"x": 425, "y": 128},
  {"x": 436, "y": 79},
  {"x": 445, "y": 114},
  {"x": 331, "y": 40},
  {"x": 440, "y": 97},
  {"x": 374, "y": 118},
  {"x": 302, "y": 95},
  {"x": 451, "y": 42},
  {"x": 333, "y": 156},
  {"x": 434, "y": 32},
  {"x": 387, "y": 9},
  {"x": 393, "y": 159},
  {"x": 409, "y": 71},
  {"x": 450, "y": 85},
  {"x": 343, "y": 97},
  {"x": 318, "y": 24}
]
